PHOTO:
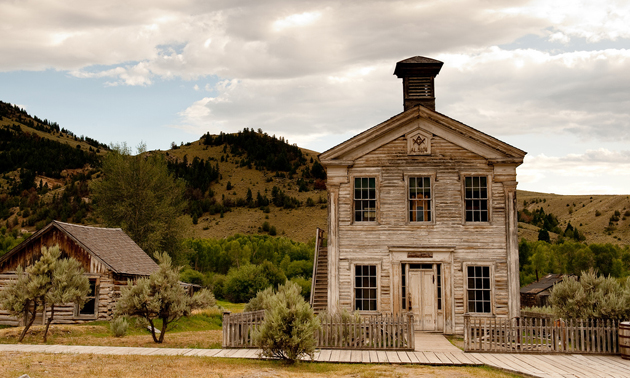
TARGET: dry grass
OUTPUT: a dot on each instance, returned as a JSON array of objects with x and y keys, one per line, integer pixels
[
  {"x": 98, "y": 335},
  {"x": 580, "y": 211},
  {"x": 297, "y": 224},
  {"x": 100, "y": 366}
]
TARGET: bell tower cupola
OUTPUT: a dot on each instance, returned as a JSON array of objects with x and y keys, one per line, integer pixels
[{"x": 418, "y": 74}]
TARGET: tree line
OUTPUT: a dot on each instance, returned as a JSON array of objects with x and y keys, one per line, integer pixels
[
  {"x": 239, "y": 266},
  {"x": 539, "y": 258},
  {"x": 262, "y": 150}
]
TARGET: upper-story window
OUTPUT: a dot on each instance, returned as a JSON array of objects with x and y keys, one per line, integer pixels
[
  {"x": 419, "y": 197},
  {"x": 365, "y": 199},
  {"x": 476, "y": 198}
]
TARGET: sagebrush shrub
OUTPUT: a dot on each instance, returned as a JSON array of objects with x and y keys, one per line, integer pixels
[
  {"x": 592, "y": 296},
  {"x": 119, "y": 326},
  {"x": 288, "y": 331}
]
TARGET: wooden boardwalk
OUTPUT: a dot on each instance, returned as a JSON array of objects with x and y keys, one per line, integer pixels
[{"x": 536, "y": 365}]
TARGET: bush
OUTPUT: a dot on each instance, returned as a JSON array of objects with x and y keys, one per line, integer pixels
[
  {"x": 272, "y": 231},
  {"x": 305, "y": 284},
  {"x": 265, "y": 226},
  {"x": 192, "y": 276},
  {"x": 244, "y": 283},
  {"x": 288, "y": 331},
  {"x": 261, "y": 301},
  {"x": 592, "y": 296},
  {"x": 119, "y": 326}
]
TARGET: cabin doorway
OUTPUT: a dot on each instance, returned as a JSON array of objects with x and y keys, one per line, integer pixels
[{"x": 425, "y": 296}]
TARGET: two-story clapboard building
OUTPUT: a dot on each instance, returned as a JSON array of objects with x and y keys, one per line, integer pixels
[{"x": 422, "y": 215}]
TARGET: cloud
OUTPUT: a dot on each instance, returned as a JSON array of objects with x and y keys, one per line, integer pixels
[
  {"x": 578, "y": 173},
  {"x": 509, "y": 92}
]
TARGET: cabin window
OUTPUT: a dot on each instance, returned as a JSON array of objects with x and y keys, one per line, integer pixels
[
  {"x": 419, "y": 197},
  {"x": 365, "y": 287},
  {"x": 91, "y": 306},
  {"x": 479, "y": 291},
  {"x": 476, "y": 198},
  {"x": 365, "y": 199}
]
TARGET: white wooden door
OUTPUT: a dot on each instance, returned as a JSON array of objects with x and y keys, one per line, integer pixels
[{"x": 422, "y": 289}]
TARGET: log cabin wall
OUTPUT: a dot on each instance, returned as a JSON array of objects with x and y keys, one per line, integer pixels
[
  {"x": 108, "y": 283},
  {"x": 447, "y": 239}
]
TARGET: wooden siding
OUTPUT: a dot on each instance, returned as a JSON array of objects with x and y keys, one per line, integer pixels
[
  {"x": 32, "y": 252},
  {"x": 370, "y": 242}
]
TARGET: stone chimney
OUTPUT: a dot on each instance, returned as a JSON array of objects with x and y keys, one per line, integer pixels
[{"x": 418, "y": 74}]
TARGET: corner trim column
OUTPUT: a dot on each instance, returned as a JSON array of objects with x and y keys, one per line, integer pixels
[
  {"x": 333, "y": 247},
  {"x": 511, "y": 223}
]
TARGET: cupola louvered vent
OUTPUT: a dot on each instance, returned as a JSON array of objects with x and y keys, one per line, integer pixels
[
  {"x": 418, "y": 74},
  {"x": 420, "y": 87}
]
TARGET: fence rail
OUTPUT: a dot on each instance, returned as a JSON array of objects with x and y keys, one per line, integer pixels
[
  {"x": 377, "y": 332},
  {"x": 541, "y": 335},
  {"x": 238, "y": 328}
]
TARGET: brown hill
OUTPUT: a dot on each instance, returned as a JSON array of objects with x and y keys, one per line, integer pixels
[
  {"x": 591, "y": 214},
  {"x": 298, "y": 224}
]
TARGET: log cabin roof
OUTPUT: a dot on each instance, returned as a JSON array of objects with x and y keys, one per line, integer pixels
[
  {"x": 543, "y": 284},
  {"x": 427, "y": 120},
  {"x": 112, "y": 246}
]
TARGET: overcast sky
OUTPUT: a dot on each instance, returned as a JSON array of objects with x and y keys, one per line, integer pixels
[{"x": 549, "y": 77}]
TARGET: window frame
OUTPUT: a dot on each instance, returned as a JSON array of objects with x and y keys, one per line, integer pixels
[
  {"x": 491, "y": 269},
  {"x": 97, "y": 285},
  {"x": 431, "y": 177},
  {"x": 489, "y": 182},
  {"x": 376, "y": 199},
  {"x": 378, "y": 285}
]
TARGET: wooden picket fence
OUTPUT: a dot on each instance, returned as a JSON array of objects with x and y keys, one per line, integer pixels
[
  {"x": 238, "y": 328},
  {"x": 377, "y": 332},
  {"x": 541, "y": 335}
]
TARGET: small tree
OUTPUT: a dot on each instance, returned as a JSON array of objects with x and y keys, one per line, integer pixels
[
  {"x": 161, "y": 297},
  {"x": 49, "y": 281},
  {"x": 289, "y": 327},
  {"x": 69, "y": 285}
]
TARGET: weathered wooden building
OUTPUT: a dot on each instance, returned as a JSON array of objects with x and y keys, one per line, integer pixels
[
  {"x": 108, "y": 256},
  {"x": 422, "y": 215},
  {"x": 537, "y": 293}
]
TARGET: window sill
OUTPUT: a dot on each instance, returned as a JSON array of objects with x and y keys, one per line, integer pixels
[{"x": 480, "y": 314}]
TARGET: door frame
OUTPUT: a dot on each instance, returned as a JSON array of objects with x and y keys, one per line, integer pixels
[{"x": 442, "y": 255}]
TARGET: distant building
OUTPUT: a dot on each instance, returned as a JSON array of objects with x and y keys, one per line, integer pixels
[
  {"x": 422, "y": 216},
  {"x": 108, "y": 256},
  {"x": 536, "y": 294}
]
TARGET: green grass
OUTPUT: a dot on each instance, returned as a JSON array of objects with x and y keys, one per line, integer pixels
[{"x": 233, "y": 307}]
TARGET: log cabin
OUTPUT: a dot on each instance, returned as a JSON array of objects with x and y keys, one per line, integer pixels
[
  {"x": 421, "y": 216},
  {"x": 109, "y": 258}
]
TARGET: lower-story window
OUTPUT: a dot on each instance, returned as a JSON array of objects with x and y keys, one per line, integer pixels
[
  {"x": 91, "y": 306},
  {"x": 365, "y": 288},
  {"x": 479, "y": 290}
]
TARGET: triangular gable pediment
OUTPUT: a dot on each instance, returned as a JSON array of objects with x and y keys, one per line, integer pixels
[{"x": 420, "y": 121}]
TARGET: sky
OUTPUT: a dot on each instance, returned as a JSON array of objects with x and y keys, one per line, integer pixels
[{"x": 549, "y": 77}]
